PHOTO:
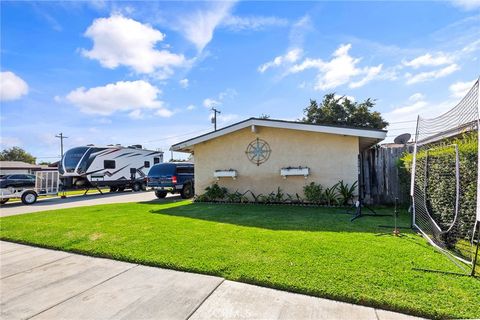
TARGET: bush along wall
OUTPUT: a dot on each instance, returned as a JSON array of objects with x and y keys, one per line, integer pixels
[
  {"x": 440, "y": 179},
  {"x": 340, "y": 194}
]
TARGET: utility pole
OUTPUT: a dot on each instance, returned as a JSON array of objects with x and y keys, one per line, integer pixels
[
  {"x": 214, "y": 119},
  {"x": 61, "y": 137}
]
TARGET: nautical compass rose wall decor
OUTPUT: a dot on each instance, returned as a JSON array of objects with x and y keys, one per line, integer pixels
[{"x": 258, "y": 151}]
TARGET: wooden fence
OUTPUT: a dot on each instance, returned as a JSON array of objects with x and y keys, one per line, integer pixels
[{"x": 380, "y": 176}]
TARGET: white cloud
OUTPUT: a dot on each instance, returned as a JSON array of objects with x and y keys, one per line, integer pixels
[
  {"x": 118, "y": 40},
  {"x": 199, "y": 26},
  {"x": 403, "y": 118},
  {"x": 211, "y": 103},
  {"x": 253, "y": 22},
  {"x": 184, "y": 83},
  {"x": 164, "y": 113},
  {"x": 428, "y": 60},
  {"x": 416, "y": 97},
  {"x": 430, "y": 75},
  {"x": 12, "y": 87},
  {"x": 371, "y": 73},
  {"x": 409, "y": 109},
  {"x": 466, "y": 4},
  {"x": 291, "y": 56},
  {"x": 228, "y": 94},
  {"x": 340, "y": 70},
  {"x": 298, "y": 31},
  {"x": 191, "y": 107},
  {"x": 136, "y": 114},
  {"x": 119, "y": 96},
  {"x": 460, "y": 89}
]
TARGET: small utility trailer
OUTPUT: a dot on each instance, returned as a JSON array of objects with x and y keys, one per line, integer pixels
[{"x": 46, "y": 183}]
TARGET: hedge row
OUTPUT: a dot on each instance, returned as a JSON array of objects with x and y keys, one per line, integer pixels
[{"x": 441, "y": 186}]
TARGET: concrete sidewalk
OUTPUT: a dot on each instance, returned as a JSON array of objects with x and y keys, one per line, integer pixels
[{"x": 46, "y": 284}]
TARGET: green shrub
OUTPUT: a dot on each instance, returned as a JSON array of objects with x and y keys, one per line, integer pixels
[
  {"x": 346, "y": 192},
  {"x": 440, "y": 184},
  {"x": 313, "y": 192},
  {"x": 215, "y": 192}
]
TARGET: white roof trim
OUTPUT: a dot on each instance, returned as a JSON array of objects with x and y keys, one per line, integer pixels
[{"x": 362, "y": 133}]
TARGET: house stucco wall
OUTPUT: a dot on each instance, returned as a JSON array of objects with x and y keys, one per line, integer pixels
[{"x": 330, "y": 158}]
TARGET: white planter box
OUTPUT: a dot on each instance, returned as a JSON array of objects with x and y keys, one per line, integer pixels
[
  {"x": 225, "y": 174},
  {"x": 296, "y": 171}
]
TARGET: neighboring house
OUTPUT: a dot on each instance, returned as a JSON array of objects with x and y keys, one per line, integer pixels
[
  {"x": 263, "y": 154},
  {"x": 9, "y": 167}
]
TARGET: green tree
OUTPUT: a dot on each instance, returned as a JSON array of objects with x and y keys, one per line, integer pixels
[
  {"x": 343, "y": 111},
  {"x": 17, "y": 154}
]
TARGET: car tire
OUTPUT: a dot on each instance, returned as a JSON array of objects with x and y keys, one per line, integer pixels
[
  {"x": 3, "y": 201},
  {"x": 29, "y": 197},
  {"x": 136, "y": 187},
  {"x": 160, "y": 194},
  {"x": 187, "y": 191},
  {"x": 113, "y": 189}
]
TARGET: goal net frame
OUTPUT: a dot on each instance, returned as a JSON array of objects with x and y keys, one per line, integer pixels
[{"x": 457, "y": 120}]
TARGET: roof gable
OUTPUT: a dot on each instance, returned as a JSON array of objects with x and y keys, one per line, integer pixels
[{"x": 368, "y": 137}]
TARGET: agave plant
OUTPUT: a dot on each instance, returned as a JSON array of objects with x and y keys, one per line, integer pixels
[
  {"x": 346, "y": 192},
  {"x": 330, "y": 195},
  {"x": 279, "y": 196}
]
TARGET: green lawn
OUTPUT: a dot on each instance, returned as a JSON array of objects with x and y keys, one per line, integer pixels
[{"x": 316, "y": 251}]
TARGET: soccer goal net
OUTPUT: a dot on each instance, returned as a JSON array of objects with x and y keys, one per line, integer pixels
[{"x": 445, "y": 179}]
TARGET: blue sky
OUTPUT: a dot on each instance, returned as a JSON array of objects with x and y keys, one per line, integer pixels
[{"x": 147, "y": 72}]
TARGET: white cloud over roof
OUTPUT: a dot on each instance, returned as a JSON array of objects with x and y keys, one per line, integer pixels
[
  {"x": 118, "y": 40},
  {"x": 120, "y": 96}
]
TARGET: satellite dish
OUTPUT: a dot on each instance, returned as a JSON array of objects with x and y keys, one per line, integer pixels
[{"x": 402, "y": 139}]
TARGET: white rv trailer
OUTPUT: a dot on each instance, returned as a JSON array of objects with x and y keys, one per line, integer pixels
[{"x": 113, "y": 166}]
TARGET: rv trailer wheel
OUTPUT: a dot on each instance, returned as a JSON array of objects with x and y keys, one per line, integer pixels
[
  {"x": 136, "y": 187},
  {"x": 29, "y": 197}
]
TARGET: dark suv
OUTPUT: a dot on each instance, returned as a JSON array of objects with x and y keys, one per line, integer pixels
[
  {"x": 17, "y": 180},
  {"x": 173, "y": 177}
]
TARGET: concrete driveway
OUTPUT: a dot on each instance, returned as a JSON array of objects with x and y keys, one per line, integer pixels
[
  {"x": 14, "y": 208},
  {"x": 46, "y": 284}
]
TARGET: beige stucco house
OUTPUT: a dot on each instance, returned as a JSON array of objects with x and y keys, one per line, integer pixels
[{"x": 262, "y": 154}]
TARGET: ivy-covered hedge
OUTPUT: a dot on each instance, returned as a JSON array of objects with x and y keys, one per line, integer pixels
[{"x": 441, "y": 187}]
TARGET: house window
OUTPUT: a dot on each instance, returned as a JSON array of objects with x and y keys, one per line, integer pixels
[
  {"x": 156, "y": 160},
  {"x": 146, "y": 164},
  {"x": 109, "y": 164}
]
